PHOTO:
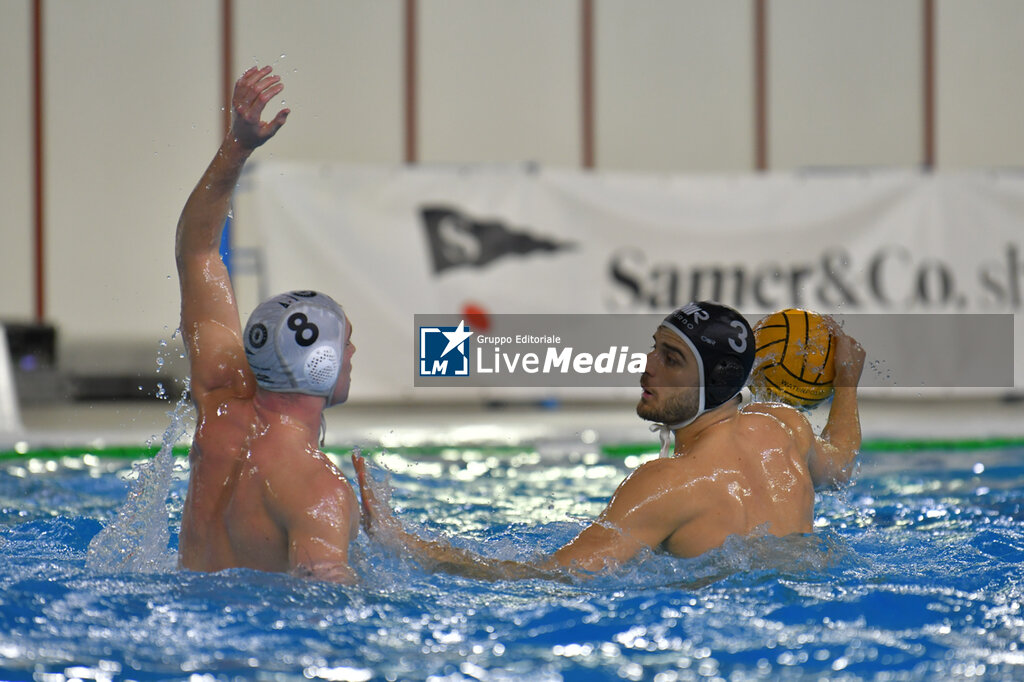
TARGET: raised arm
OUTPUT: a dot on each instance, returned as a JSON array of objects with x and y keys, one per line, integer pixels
[
  {"x": 834, "y": 451},
  {"x": 209, "y": 313}
]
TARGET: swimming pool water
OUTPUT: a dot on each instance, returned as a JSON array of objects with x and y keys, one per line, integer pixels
[{"x": 914, "y": 572}]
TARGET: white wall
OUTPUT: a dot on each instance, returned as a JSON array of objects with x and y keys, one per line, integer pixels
[
  {"x": 341, "y": 62},
  {"x": 17, "y": 278},
  {"x": 131, "y": 119},
  {"x": 980, "y": 88},
  {"x": 674, "y": 85},
  {"x": 133, "y": 111},
  {"x": 845, "y": 83},
  {"x": 499, "y": 81}
]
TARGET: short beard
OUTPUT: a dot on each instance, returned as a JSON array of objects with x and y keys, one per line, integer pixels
[{"x": 678, "y": 408}]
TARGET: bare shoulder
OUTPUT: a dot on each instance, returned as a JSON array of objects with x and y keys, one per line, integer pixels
[
  {"x": 663, "y": 469},
  {"x": 311, "y": 471},
  {"x": 787, "y": 417},
  {"x": 780, "y": 411},
  {"x": 301, "y": 481},
  {"x": 217, "y": 360},
  {"x": 658, "y": 477},
  {"x": 655, "y": 500},
  {"x": 314, "y": 505}
]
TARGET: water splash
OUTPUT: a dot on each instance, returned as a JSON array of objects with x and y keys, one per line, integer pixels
[{"x": 136, "y": 540}]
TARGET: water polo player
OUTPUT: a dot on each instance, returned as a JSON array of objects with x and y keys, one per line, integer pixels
[
  {"x": 261, "y": 494},
  {"x": 733, "y": 470}
]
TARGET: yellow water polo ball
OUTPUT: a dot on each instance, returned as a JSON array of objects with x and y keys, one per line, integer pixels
[{"x": 794, "y": 360}]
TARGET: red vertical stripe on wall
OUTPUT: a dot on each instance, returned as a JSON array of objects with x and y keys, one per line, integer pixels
[
  {"x": 227, "y": 65},
  {"x": 587, "y": 80},
  {"x": 928, "y": 84},
  {"x": 761, "y": 85},
  {"x": 39, "y": 217},
  {"x": 410, "y": 76}
]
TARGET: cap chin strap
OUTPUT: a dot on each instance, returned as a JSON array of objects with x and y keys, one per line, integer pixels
[
  {"x": 666, "y": 432},
  {"x": 665, "y": 436}
]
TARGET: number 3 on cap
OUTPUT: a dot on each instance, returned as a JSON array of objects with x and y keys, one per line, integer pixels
[{"x": 739, "y": 344}]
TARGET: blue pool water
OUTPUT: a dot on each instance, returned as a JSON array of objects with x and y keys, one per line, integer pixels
[{"x": 915, "y": 572}]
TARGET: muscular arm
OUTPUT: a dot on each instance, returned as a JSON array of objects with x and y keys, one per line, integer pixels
[
  {"x": 830, "y": 456},
  {"x": 651, "y": 504},
  {"x": 834, "y": 451},
  {"x": 640, "y": 515},
  {"x": 209, "y": 313}
]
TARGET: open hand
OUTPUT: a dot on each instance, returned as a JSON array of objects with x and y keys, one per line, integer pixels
[
  {"x": 253, "y": 90},
  {"x": 378, "y": 519}
]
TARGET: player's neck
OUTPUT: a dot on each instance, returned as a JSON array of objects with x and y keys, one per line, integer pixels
[
  {"x": 304, "y": 410},
  {"x": 687, "y": 436}
]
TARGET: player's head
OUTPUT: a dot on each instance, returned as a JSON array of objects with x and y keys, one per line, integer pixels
[
  {"x": 298, "y": 342},
  {"x": 702, "y": 359}
]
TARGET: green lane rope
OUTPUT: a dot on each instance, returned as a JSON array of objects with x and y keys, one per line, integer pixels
[{"x": 611, "y": 450}]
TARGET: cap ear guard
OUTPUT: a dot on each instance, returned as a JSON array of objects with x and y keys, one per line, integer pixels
[
  {"x": 723, "y": 380},
  {"x": 322, "y": 368}
]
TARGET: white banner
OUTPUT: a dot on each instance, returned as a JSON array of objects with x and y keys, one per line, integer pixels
[{"x": 392, "y": 242}]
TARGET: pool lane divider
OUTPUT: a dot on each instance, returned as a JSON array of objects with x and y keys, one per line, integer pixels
[
  {"x": 105, "y": 452},
  {"x": 611, "y": 450}
]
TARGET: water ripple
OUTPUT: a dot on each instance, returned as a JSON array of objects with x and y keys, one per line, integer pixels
[{"x": 913, "y": 573}]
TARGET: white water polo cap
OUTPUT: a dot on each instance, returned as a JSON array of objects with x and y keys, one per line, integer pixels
[{"x": 295, "y": 343}]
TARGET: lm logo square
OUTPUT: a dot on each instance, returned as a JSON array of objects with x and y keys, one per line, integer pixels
[{"x": 444, "y": 351}]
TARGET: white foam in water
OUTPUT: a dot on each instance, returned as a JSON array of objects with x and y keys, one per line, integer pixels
[{"x": 136, "y": 539}]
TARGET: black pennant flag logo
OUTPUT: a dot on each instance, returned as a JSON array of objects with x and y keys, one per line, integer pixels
[{"x": 456, "y": 240}]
